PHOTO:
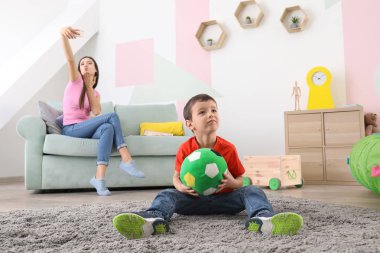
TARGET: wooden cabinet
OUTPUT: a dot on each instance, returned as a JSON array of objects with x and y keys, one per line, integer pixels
[
  {"x": 311, "y": 162},
  {"x": 324, "y": 139}
]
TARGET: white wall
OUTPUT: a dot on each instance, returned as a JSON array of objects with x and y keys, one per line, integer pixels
[
  {"x": 126, "y": 21},
  {"x": 254, "y": 70},
  {"x": 21, "y": 20}
]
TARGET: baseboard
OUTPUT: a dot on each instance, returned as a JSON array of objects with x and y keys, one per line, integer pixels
[
  {"x": 332, "y": 183},
  {"x": 6, "y": 180}
]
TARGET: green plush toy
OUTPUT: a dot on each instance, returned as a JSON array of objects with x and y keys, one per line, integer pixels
[
  {"x": 364, "y": 162},
  {"x": 203, "y": 171}
]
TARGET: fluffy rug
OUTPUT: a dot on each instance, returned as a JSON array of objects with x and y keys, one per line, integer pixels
[{"x": 88, "y": 228}]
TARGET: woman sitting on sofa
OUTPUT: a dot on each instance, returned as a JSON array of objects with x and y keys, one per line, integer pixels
[{"x": 81, "y": 114}]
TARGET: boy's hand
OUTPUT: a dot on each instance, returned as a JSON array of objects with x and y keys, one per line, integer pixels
[
  {"x": 228, "y": 182},
  {"x": 181, "y": 187},
  {"x": 187, "y": 190}
]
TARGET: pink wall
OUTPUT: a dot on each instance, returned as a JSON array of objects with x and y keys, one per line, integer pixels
[
  {"x": 190, "y": 56},
  {"x": 135, "y": 63},
  {"x": 362, "y": 52}
]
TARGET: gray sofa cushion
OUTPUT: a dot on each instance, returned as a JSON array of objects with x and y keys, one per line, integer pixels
[
  {"x": 138, "y": 145},
  {"x": 49, "y": 114},
  {"x": 132, "y": 115}
]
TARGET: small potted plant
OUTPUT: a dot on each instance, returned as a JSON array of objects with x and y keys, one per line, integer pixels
[
  {"x": 209, "y": 42},
  {"x": 248, "y": 20},
  {"x": 294, "y": 22}
]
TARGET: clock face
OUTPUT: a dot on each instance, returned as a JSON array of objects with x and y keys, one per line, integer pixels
[{"x": 319, "y": 78}]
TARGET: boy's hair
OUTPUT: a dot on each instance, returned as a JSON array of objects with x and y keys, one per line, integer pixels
[{"x": 189, "y": 105}]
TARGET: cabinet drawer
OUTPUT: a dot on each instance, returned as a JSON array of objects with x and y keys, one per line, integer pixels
[
  {"x": 311, "y": 162},
  {"x": 342, "y": 128},
  {"x": 336, "y": 165},
  {"x": 304, "y": 130}
]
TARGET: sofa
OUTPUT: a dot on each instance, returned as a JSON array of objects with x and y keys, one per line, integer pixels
[{"x": 54, "y": 161}]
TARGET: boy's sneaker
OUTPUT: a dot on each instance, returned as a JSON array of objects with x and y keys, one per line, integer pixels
[
  {"x": 279, "y": 224},
  {"x": 139, "y": 225}
]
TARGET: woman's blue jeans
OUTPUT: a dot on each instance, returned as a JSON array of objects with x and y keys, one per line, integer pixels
[
  {"x": 250, "y": 198},
  {"x": 106, "y": 128}
]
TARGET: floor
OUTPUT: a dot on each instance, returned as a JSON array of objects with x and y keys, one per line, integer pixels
[{"x": 13, "y": 196}]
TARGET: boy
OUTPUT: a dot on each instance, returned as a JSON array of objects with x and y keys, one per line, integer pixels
[{"x": 201, "y": 115}]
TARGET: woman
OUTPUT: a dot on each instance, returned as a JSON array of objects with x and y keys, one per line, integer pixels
[{"x": 81, "y": 114}]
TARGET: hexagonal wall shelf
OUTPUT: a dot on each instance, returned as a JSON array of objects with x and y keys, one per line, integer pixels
[
  {"x": 289, "y": 14},
  {"x": 210, "y": 35},
  {"x": 249, "y": 14}
]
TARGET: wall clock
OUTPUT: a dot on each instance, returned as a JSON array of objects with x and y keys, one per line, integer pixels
[{"x": 319, "y": 80}]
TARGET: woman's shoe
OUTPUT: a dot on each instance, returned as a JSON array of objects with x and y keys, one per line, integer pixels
[
  {"x": 130, "y": 168},
  {"x": 100, "y": 186}
]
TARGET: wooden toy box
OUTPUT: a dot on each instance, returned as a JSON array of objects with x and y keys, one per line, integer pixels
[{"x": 274, "y": 171}]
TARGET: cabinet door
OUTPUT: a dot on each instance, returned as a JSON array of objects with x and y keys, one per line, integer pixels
[
  {"x": 304, "y": 130},
  {"x": 342, "y": 128},
  {"x": 336, "y": 164},
  {"x": 311, "y": 162}
]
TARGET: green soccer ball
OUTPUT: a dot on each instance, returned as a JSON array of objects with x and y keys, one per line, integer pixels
[
  {"x": 364, "y": 162},
  {"x": 203, "y": 171}
]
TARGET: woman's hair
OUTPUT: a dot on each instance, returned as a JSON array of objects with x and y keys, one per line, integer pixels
[
  {"x": 83, "y": 93},
  {"x": 187, "y": 111}
]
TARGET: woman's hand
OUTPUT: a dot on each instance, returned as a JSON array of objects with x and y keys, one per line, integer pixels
[
  {"x": 89, "y": 80},
  {"x": 70, "y": 33}
]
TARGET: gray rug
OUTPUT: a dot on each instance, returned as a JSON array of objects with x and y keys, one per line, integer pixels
[{"x": 88, "y": 228}]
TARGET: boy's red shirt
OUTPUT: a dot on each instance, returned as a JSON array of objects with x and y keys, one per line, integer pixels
[{"x": 223, "y": 147}]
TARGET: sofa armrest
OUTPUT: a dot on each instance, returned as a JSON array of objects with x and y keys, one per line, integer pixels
[
  {"x": 33, "y": 130},
  {"x": 31, "y": 127}
]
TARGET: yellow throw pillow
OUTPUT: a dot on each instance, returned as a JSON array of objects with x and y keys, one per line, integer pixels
[{"x": 174, "y": 128}]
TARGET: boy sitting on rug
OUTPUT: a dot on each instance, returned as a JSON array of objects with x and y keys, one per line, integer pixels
[{"x": 201, "y": 115}]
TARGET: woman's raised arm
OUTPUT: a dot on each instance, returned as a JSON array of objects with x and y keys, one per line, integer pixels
[{"x": 66, "y": 34}]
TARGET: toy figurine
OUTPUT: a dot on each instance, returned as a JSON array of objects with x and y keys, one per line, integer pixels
[{"x": 297, "y": 94}]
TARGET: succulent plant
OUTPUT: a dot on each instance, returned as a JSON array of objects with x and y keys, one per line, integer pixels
[{"x": 295, "y": 19}]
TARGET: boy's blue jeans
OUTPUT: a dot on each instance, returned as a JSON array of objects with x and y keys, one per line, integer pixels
[
  {"x": 250, "y": 198},
  {"x": 105, "y": 127}
]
